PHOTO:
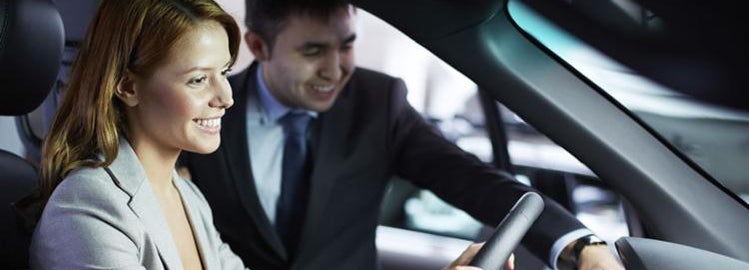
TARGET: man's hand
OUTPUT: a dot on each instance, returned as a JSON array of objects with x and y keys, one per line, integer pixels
[
  {"x": 467, "y": 256},
  {"x": 598, "y": 258}
]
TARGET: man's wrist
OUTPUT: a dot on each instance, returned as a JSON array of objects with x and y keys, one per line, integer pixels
[{"x": 569, "y": 258}]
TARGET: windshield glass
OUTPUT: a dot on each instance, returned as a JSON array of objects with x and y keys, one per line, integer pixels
[{"x": 713, "y": 137}]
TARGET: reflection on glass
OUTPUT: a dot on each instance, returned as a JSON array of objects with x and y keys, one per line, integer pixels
[
  {"x": 712, "y": 136},
  {"x": 427, "y": 212}
]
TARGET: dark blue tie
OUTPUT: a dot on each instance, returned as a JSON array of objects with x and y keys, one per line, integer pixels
[{"x": 294, "y": 179}]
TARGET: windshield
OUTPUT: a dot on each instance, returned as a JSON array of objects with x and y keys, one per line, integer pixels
[{"x": 713, "y": 137}]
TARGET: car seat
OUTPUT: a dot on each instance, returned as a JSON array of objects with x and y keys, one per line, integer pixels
[
  {"x": 33, "y": 127},
  {"x": 31, "y": 46}
]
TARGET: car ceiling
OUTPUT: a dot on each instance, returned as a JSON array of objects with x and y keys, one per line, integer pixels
[{"x": 699, "y": 51}]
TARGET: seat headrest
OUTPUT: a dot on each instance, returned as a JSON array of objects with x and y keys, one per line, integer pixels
[{"x": 31, "y": 47}]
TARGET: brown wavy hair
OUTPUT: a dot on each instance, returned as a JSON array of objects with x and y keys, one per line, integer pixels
[{"x": 125, "y": 36}]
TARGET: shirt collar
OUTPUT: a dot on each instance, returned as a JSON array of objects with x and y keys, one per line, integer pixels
[{"x": 272, "y": 108}]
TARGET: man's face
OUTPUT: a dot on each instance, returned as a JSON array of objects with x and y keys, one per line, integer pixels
[{"x": 311, "y": 60}]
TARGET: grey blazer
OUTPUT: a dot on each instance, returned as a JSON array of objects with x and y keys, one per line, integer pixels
[{"x": 99, "y": 219}]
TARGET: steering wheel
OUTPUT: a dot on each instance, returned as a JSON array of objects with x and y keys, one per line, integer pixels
[{"x": 509, "y": 232}]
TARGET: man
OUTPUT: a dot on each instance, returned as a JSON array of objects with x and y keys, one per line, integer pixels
[{"x": 312, "y": 141}]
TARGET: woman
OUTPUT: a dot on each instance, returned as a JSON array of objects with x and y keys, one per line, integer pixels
[{"x": 149, "y": 81}]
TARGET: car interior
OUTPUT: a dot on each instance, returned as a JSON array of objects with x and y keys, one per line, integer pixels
[
  {"x": 483, "y": 41},
  {"x": 672, "y": 174},
  {"x": 30, "y": 53}
]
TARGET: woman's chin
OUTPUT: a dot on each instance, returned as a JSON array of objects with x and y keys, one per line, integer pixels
[{"x": 204, "y": 148}]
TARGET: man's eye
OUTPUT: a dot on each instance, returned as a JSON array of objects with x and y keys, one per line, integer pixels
[
  {"x": 347, "y": 47},
  {"x": 311, "y": 51},
  {"x": 198, "y": 80}
]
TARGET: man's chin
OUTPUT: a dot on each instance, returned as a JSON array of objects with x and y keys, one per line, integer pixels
[{"x": 319, "y": 106}]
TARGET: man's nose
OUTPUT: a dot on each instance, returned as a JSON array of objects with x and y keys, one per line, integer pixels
[{"x": 331, "y": 67}]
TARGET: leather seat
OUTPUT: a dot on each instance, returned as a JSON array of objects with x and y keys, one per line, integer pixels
[{"x": 31, "y": 47}]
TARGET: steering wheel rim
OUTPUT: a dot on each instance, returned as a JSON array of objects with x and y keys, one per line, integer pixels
[{"x": 509, "y": 232}]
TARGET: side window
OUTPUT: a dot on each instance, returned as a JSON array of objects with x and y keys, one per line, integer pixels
[{"x": 451, "y": 101}]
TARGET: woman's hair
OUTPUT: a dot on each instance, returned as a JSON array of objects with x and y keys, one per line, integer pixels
[{"x": 124, "y": 37}]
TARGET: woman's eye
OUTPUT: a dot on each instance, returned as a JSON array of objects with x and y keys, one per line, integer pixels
[
  {"x": 225, "y": 72},
  {"x": 198, "y": 80}
]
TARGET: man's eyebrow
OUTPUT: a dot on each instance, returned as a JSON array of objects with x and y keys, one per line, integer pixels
[
  {"x": 314, "y": 44},
  {"x": 322, "y": 44}
]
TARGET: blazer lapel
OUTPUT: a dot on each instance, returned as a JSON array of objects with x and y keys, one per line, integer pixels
[
  {"x": 198, "y": 224},
  {"x": 129, "y": 176},
  {"x": 235, "y": 144},
  {"x": 332, "y": 133}
]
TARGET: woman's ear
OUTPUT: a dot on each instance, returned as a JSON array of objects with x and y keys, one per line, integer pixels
[{"x": 126, "y": 90}]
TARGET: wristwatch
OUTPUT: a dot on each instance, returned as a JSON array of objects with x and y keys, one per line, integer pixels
[{"x": 572, "y": 258}]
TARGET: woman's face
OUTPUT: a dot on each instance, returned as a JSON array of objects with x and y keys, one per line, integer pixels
[{"x": 179, "y": 107}]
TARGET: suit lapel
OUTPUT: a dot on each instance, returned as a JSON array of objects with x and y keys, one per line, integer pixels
[
  {"x": 235, "y": 144},
  {"x": 330, "y": 151},
  {"x": 129, "y": 176}
]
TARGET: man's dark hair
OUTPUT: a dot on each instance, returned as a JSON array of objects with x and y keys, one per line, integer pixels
[{"x": 267, "y": 17}]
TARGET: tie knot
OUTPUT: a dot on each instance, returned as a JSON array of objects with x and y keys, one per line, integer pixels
[{"x": 295, "y": 122}]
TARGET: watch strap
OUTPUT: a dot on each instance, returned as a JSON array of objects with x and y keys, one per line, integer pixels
[{"x": 580, "y": 244}]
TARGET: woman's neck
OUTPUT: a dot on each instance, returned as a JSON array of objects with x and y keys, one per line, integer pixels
[{"x": 157, "y": 162}]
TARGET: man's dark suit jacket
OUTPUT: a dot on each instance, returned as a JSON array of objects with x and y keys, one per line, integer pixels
[{"x": 369, "y": 135}]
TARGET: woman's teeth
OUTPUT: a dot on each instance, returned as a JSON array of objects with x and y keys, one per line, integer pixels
[{"x": 209, "y": 123}]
